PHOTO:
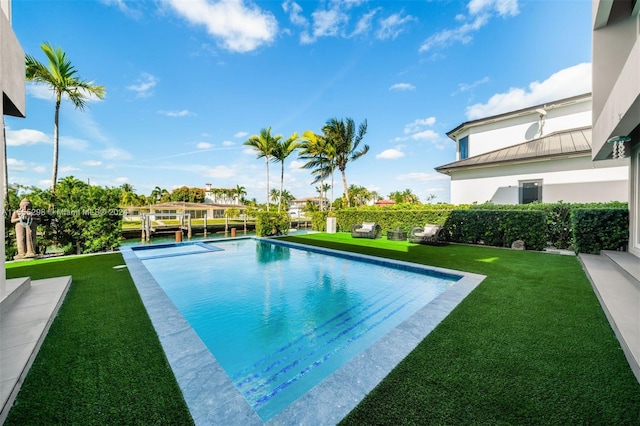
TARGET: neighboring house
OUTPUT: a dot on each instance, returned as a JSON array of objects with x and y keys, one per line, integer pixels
[
  {"x": 12, "y": 86},
  {"x": 616, "y": 95},
  {"x": 220, "y": 195},
  {"x": 536, "y": 154},
  {"x": 174, "y": 211},
  {"x": 297, "y": 207}
]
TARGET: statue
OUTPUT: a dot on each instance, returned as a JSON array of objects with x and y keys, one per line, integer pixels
[{"x": 26, "y": 224}]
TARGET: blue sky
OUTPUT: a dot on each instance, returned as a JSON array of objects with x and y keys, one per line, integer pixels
[{"x": 188, "y": 81}]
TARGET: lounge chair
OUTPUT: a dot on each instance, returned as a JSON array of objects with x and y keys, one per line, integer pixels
[
  {"x": 366, "y": 230},
  {"x": 430, "y": 234}
]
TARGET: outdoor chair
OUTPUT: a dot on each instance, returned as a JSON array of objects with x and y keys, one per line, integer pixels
[
  {"x": 429, "y": 234},
  {"x": 366, "y": 230}
]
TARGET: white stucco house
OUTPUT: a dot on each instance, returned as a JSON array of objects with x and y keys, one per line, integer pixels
[
  {"x": 541, "y": 153},
  {"x": 616, "y": 95},
  {"x": 12, "y": 86}
]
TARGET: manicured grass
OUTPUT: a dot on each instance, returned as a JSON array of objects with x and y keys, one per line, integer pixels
[
  {"x": 101, "y": 363},
  {"x": 530, "y": 345}
]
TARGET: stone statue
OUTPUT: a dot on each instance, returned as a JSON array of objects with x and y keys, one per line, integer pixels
[{"x": 26, "y": 224}]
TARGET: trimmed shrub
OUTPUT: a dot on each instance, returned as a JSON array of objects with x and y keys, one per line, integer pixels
[
  {"x": 600, "y": 229},
  {"x": 267, "y": 221},
  {"x": 498, "y": 228}
]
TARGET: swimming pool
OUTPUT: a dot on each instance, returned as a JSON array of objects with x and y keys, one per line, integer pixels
[{"x": 280, "y": 320}]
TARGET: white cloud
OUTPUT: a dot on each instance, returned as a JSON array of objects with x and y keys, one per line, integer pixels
[
  {"x": 241, "y": 134},
  {"x": 294, "y": 10},
  {"x": 219, "y": 172},
  {"x": 392, "y": 26},
  {"x": 565, "y": 83},
  {"x": 17, "y": 165},
  {"x": 43, "y": 91},
  {"x": 73, "y": 143},
  {"x": 227, "y": 143},
  {"x": 402, "y": 87},
  {"x": 67, "y": 169},
  {"x": 204, "y": 145},
  {"x": 328, "y": 22},
  {"x": 502, "y": 7},
  {"x": 423, "y": 177},
  {"x": 296, "y": 166},
  {"x": 464, "y": 87},
  {"x": 249, "y": 151},
  {"x": 182, "y": 113},
  {"x": 238, "y": 27},
  {"x": 390, "y": 154},
  {"x": 480, "y": 13},
  {"x": 92, "y": 163},
  {"x": 144, "y": 85},
  {"x": 121, "y": 180},
  {"x": 40, "y": 91},
  {"x": 428, "y": 135},
  {"x": 26, "y": 137},
  {"x": 115, "y": 154},
  {"x": 364, "y": 23},
  {"x": 418, "y": 124}
]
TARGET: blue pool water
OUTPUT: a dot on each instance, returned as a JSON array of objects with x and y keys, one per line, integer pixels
[{"x": 278, "y": 319}]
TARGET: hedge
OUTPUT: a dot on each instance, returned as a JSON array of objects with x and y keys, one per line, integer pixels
[
  {"x": 498, "y": 228},
  {"x": 600, "y": 229}
]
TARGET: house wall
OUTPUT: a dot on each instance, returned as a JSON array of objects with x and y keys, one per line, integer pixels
[
  {"x": 574, "y": 180},
  {"x": 12, "y": 87},
  {"x": 510, "y": 131},
  {"x": 616, "y": 92}
]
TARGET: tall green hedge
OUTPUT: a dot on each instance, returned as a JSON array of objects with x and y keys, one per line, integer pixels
[
  {"x": 503, "y": 224},
  {"x": 498, "y": 228},
  {"x": 600, "y": 229},
  {"x": 558, "y": 217}
]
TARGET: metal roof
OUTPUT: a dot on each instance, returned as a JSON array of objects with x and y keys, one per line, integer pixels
[
  {"x": 558, "y": 144},
  {"x": 506, "y": 115}
]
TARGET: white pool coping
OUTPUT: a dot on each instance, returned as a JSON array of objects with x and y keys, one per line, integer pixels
[{"x": 212, "y": 397}]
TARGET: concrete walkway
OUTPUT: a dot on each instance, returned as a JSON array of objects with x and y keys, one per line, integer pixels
[
  {"x": 26, "y": 313},
  {"x": 615, "y": 277}
]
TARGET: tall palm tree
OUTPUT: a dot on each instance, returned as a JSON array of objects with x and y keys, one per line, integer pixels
[
  {"x": 240, "y": 192},
  {"x": 320, "y": 156},
  {"x": 343, "y": 135},
  {"x": 284, "y": 148},
  {"x": 264, "y": 144},
  {"x": 274, "y": 195},
  {"x": 63, "y": 79}
]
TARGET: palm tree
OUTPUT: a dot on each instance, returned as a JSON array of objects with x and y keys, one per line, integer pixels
[
  {"x": 264, "y": 144},
  {"x": 157, "y": 194},
  {"x": 274, "y": 195},
  {"x": 284, "y": 148},
  {"x": 343, "y": 136},
  {"x": 63, "y": 79},
  {"x": 240, "y": 192},
  {"x": 320, "y": 156}
]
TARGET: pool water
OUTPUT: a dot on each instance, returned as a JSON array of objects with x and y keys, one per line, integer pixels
[{"x": 279, "y": 319}]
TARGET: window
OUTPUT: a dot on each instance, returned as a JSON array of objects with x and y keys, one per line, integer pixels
[
  {"x": 463, "y": 147},
  {"x": 530, "y": 191}
]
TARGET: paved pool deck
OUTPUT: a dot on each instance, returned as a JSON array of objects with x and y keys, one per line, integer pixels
[
  {"x": 212, "y": 397},
  {"x": 26, "y": 313}
]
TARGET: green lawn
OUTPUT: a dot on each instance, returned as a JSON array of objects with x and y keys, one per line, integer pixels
[
  {"x": 530, "y": 345},
  {"x": 101, "y": 363}
]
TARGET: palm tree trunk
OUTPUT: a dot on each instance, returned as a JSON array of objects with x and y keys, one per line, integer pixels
[
  {"x": 5, "y": 168},
  {"x": 281, "y": 184},
  {"x": 267, "y": 162},
  {"x": 56, "y": 141},
  {"x": 346, "y": 189},
  {"x": 332, "y": 184}
]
